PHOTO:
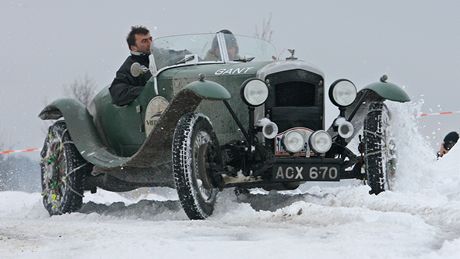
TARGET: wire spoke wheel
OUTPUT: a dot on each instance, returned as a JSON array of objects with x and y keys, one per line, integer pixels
[
  {"x": 62, "y": 172},
  {"x": 53, "y": 171}
]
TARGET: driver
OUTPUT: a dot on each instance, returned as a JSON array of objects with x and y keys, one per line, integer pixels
[
  {"x": 125, "y": 87},
  {"x": 232, "y": 47}
]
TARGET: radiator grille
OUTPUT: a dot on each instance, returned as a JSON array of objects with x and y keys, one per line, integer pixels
[{"x": 295, "y": 94}]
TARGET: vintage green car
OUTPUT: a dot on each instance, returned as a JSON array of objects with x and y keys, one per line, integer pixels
[{"x": 203, "y": 124}]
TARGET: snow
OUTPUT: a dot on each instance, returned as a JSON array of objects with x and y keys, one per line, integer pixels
[{"x": 420, "y": 218}]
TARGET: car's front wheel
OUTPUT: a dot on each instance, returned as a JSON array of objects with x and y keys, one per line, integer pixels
[
  {"x": 380, "y": 151},
  {"x": 195, "y": 151},
  {"x": 62, "y": 172}
]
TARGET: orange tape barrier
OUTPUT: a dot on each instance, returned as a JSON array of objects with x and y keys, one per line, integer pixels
[
  {"x": 437, "y": 113},
  {"x": 7, "y": 152}
]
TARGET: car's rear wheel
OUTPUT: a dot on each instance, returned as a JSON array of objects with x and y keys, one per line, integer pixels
[
  {"x": 62, "y": 172},
  {"x": 380, "y": 151},
  {"x": 195, "y": 152}
]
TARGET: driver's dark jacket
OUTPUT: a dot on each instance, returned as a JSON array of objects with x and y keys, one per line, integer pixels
[{"x": 125, "y": 88}]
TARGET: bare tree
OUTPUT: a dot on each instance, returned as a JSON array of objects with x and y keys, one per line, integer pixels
[
  {"x": 82, "y": 89},
  {"x": 266, "y": 32}
]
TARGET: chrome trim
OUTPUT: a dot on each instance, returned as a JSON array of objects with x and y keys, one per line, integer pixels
[
  {"x": 280, "y": 66},
  {"x": 155, "y": 82},
  {"x": 222, "y": 47}
]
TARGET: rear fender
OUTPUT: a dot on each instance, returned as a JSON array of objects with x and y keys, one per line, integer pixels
[{"x": 82, "y": 131}]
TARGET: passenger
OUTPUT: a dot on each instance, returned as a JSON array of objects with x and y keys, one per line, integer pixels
[
  {"x": 449, "y": 141},
  {"x": 125, "y": 87},
  {"x": 232, "y": 47}
]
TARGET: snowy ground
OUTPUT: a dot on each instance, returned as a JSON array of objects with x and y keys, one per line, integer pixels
[{"x": 419, "y": 219}]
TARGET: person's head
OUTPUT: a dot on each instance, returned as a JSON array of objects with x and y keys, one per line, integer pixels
[
  {"x": 450, "y": 139},
  {"x": 139, "y": 39},
  {"x": 230, "y": 42}
]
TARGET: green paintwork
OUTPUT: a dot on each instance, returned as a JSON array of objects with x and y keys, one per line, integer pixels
[
  {"x": 389, "y": 91},
  {"x": 230, "y": 76},
  {"x": 113, "y": 122},
  {"x": 115, "y": 133},
  {"x": 81, "y": 128},
  {"x": 122, "y": 128},
  {"x": 85, "y": 137},
  {"x": 209, "y": 90},
  {"x": 156, "y": 149}
]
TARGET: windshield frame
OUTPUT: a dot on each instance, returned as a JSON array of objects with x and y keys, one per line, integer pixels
[{"x": 222, "y": 48}]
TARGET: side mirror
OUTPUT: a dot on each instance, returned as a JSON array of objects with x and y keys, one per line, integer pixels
[{"x": 137, "y": 69}]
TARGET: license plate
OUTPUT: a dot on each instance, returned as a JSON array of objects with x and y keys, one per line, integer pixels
[{"x": 306, "y": 173}]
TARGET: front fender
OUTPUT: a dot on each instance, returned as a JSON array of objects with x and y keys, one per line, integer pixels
[
  {"x": 388, "y": 91},
  {"x": 209, "y": 90},
  {"x": 82, "y": 131}
]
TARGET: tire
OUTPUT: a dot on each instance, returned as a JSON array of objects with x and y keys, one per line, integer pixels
[
  {"x": 62, "y": 172},
  {"x": 195, "y": 147},
  {"x": 380, "y": 151}
]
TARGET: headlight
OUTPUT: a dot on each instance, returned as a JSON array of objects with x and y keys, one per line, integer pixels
[
  {"x": 342, "y": 92},
  {"x": 254, "y": 92},
  {"x": 320, "y": 141},
  {"x": 294, "y": 141},
  {"x": 269, "y": 128}
]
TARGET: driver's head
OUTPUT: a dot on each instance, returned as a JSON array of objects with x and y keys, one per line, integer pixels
[
  {"x": 139, "y": 39},
  {"x": 230, "y": 42},
  {"x": 232, "y": 45}
]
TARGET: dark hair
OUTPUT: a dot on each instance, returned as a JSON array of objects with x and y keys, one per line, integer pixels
[
  {"x": 131, "y": 39},
  {"x": 450, "y": 140},
  {"x": 225, "y": 31}
]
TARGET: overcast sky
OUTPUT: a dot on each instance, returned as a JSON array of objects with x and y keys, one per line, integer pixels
[{"x": 49, "y": 43}]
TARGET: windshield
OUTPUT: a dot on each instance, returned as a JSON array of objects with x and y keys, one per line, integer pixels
[{"x": 208, "y": 48}]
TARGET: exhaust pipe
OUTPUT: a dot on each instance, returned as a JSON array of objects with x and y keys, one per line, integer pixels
[
  {"x": 269, "y": 128},
  {"x": 345, "y": 128}
]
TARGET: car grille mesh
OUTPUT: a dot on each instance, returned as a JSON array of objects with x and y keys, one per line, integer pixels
[{"x": 294, "y": 94}]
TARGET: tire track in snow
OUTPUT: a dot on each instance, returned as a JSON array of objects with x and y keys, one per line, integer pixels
[{"x": 442, "y": 214}]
